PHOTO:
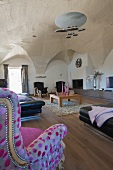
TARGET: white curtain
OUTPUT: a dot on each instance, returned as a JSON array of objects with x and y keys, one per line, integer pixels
[{"x": 24, "y": 73}]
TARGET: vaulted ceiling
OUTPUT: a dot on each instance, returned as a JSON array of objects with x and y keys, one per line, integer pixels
[{"x": 30, "y": 24}]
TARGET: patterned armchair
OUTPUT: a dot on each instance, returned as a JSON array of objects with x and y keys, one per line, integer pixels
[{"x": 27, "y": 148}]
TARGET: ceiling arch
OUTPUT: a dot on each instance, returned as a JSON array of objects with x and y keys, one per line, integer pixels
[
  {"x": 64, "y": 55},
  {"x": 16, "y": 52}
]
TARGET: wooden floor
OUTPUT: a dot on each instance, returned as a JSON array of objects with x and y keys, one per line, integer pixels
[{"x": 85, "y": 148}]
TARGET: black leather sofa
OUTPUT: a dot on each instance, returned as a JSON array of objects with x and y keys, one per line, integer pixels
[
  {"x": 30, "y": 108},
  {"x": 106, "y": 128}
]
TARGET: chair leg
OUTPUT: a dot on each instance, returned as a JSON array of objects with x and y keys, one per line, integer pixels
[
  {"x": 60, "y": 166},
  {"x": 40, "y": 93},
  {"x": 34, "y": 91},
  {"x": 63, "y": 144}
]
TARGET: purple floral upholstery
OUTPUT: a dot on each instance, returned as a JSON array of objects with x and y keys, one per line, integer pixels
[{"x": 45, "y": 151}]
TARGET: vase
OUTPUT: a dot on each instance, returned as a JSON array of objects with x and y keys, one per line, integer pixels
[
  {"x": 68, "y": 91},
  {"x": 62, "y": 89},
  {"x": 94, "y": 83}
]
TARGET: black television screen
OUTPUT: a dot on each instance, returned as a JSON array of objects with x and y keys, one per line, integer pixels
[{"x": 109, "y": 82}]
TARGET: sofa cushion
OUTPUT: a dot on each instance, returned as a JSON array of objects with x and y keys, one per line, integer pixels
[
  {"x": 85, "y": 117},
  {"x": 84, "y": 111},
  {"x": 30, "y": 106}
]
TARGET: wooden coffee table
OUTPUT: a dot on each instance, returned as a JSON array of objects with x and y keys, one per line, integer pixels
[{"x": 63, "y": 97}]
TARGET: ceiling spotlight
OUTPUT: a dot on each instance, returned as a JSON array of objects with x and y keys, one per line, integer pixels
[
  {"x": 34, "y": 35},
  {"x": 70, "y": 31},
  {"x": 72, "y": 28},
  {"x": 61, "y": 30},
  {"x": 75, "y": 28},
  {"x": 83, "y": 29},
  {"x": 74, "y": 25},
  {"x": 75, "y": 34},
  {"x": 68, "y": 36}
]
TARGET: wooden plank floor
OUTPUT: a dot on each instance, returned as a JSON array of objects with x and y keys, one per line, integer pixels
[{"x": 85, "y": 148}]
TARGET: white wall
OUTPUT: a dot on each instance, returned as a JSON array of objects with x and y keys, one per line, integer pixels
[
  {"x": 89, "y": 71},
  {"x": 1, "y": 72},
  {"x": 81, "y": 72},
  {"x": 107, "y": 69},
  {"x": 56, "y": 71}
]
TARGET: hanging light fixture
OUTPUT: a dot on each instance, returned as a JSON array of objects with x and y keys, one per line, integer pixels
[
  {"x": 70, "y": 23},
  {"x": 70, "y": 31}
]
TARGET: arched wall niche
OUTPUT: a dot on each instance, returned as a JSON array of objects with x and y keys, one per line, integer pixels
[{"x": 57, "y": 70}]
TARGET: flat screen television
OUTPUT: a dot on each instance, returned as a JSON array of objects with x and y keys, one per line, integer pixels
[{"x": 109, "y": 82}]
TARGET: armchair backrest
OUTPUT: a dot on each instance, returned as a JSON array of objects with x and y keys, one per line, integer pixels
[
  {"x": 12, "y": 151},
  {"x": 44, "y": 152},
  {"x": 39, "y": 85},
  {"x": 59, "y": 86}
]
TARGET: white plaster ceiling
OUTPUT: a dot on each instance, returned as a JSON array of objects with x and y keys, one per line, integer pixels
[{"x": 31, "y": 24}]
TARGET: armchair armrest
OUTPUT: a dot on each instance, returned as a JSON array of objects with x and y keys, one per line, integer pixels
[
  {"x": 46, "y": 141},
  {"x": 45, "y": 87}
]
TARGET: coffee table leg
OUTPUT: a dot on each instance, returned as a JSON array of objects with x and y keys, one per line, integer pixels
[
  {"x": 80, "y": 101},
  {"x": 60, "y": 102}
]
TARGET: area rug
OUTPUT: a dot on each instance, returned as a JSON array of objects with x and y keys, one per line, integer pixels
[{"x": 68, "y": 107}]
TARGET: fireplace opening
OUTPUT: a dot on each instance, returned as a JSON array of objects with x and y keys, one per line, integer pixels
[{"x": 77, "y": 84}]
